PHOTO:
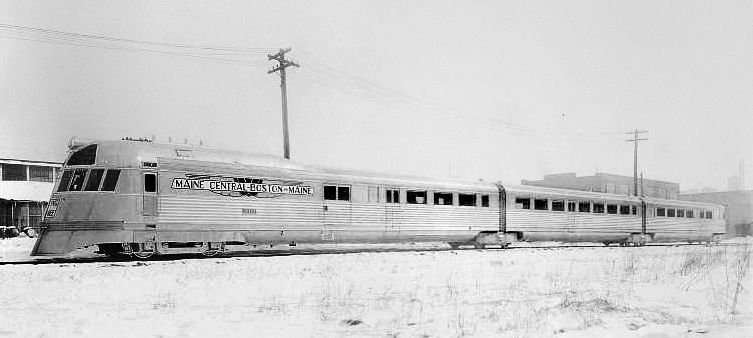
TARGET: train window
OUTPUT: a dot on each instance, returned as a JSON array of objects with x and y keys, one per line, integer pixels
[
  {"x": 661, "y": 212},
  {"x": 65, "y": 180},
  {"x": 612, "y": 209},
  {"x": 540, "y": 204},
  {"x": 701, "y": 214},
  {"x": 558, "y": 205},
  {"x": 150, "y": 182},
  {"x": 633, "y": 209},
  {"x": 624, "y": 209},
  {"x": 522, "y": 203},
  {"x": 571, "y": 206},
  {"x": 330, "y": 192},
  {"x": 343, "y": 193},
  {"x": 689, "y": 213},
  {"x": 680, "y": 212},
  {"x": 442, "y": 198},
  {"x": 111, "y": 180},
  {"x": 598, "y": 207},
  {"x": 416, "y": 196},
  {"x": 393, "y": 196},
  {"x": 485, "y": 201},
  {"x": 584, "y": 206},
  {"x": 670, "y": 212},
  {"x": 95, "y": 177},
  {"x": 77, "y": 182},
  {"x": 468, "y": 200},
  {"x": 84, "y": 156},
  {"x": 709, "y": 215}
]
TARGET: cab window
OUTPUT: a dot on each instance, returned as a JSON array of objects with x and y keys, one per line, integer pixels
[{"x": 95, "y": 176}]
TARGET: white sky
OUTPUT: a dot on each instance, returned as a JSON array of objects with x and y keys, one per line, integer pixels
[{"x": 499, "y": 90}]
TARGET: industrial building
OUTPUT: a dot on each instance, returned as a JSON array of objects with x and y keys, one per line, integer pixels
[
  {"x": 609, "y": 183},
  {"x": 25, "y": 188},
  {"x": 738, "y": 209}
]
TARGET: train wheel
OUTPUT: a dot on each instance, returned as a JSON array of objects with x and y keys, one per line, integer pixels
[
  {"x": 143, "y": 251},
  {"x": 211, "y": 249}
]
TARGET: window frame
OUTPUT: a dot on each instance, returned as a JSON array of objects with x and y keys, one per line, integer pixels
[
  {"x": 614, "y": 207},
  {"x": 414, "y": 195},
  {"x": 392, "y": 195},
  {"x": 444, "y": 196},
  {"x": 524, "y": 202},
  {"x": 338, "y": 191},
  {"x": 147, "y": 184},
  {"x": 87, "y": 185},
  {"x": 107, "y": 175},
  {"x": 472, "y": 197},
  {"x": 485, "y": 202},
  {"x": 587, "y": 204}
]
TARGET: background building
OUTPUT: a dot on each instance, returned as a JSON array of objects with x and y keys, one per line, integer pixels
[
  {"x": 25, "y": 188},
  {"x": 738, "y": 212},
  {"x": 608, "y": 183}
]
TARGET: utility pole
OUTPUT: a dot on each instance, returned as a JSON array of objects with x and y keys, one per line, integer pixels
[
  {"x": 635, "y": 140},
  {"x": 281, "y": 65}
]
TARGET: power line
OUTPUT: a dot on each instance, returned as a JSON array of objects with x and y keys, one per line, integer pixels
[{"x": 219, "y": 54}]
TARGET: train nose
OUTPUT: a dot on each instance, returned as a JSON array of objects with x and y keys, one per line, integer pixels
[{"x": 53, "y": 243}]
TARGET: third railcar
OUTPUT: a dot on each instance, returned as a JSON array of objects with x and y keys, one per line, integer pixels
[{"x": 142, "y": 198}]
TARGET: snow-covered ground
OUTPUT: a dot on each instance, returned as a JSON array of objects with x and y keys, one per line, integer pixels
[{"x": 526, "y": 292}]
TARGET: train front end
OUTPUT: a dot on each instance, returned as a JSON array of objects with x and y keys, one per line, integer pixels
[{"x": 96, "y": 199}]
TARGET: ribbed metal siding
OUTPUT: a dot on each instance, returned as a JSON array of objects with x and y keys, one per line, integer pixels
[{"x": 222, "y": 213}]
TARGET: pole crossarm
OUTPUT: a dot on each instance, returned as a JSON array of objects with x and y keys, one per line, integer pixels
[
  {"x": 282, "y": 64},
  {"x": 635, "y": 140}
]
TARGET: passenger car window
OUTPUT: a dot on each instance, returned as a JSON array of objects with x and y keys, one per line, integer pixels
[
  {"x": 485, "y": 201},
  {"x": 392, "y": 196},
  {"x": 522, "y": 203},
  {"x": 443, "y": 198},
  {"x": 416, "y": 196}
]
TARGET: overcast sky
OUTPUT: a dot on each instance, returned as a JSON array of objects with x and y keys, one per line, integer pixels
[{"x": 499, "y": 90}]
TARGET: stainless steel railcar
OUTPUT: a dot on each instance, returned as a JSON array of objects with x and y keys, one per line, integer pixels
[
  {"x": 142, "y": 198},
  {"x": 546, "y": 214}
]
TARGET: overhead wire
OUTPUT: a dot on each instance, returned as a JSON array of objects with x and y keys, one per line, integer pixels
[
  {"x": 322, "y": 70},
  {"x": 327, "y": 75},
  {"x": 220, "y": 54}
]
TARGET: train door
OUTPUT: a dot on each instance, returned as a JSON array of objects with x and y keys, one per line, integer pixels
[
  {"x": 337, "y": 212},
  {"x": 149, "y": 194},
  {"x": 392, "y": 214}
]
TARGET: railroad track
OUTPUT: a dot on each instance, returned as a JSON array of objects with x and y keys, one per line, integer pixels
[{"x": 310, "y": 252}]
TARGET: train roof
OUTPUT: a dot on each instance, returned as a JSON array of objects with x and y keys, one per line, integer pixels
[
  {"x": 546, "y": 192},
  {"x": 130, "y": 153}
]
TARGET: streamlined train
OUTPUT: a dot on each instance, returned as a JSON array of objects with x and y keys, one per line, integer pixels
[{"x": 140, "y": 198}]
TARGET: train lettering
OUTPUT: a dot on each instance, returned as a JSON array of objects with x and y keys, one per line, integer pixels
[{"x": 220, "y": 186}]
